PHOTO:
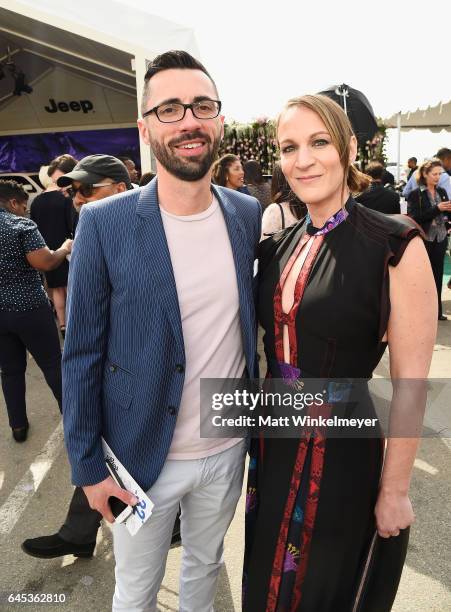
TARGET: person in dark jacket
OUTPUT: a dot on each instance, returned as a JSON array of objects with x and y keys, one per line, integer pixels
[
  {"x": 412, "y": 164},
  {"x": 429, "y": 206},
  {"x": 53, "y": 213},
  {"x": 378, "y": 197}
]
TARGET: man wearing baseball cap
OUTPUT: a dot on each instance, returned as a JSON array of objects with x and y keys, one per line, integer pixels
[{"x": 95, "y": 177}]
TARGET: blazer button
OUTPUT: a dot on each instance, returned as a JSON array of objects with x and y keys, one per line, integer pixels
[
  {"x": 172, "y": 410},
  {"x": 113, "y": 368},
  {"x": 179, "y": 368}
]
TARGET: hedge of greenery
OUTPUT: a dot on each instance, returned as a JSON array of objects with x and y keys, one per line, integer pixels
[
  {"x": 257, "y": 141},
  {"x": 252, "y": 141}
]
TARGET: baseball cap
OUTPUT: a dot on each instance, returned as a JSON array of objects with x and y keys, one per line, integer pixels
[{"x": 95, "y": 168}]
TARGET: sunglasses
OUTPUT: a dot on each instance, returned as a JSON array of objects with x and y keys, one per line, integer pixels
[{"x": 85, "y": 189}]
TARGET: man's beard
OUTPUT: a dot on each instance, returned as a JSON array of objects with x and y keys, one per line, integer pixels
[{"x": 187, "y": 168}]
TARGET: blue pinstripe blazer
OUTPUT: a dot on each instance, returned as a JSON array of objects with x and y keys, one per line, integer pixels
[{"x": 124, "y": 358}]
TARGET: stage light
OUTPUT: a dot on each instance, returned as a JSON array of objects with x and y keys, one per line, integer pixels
[{"x": 19, "y": 84}]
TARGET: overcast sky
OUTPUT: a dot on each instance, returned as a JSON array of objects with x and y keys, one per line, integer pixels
[{"x": 262, "y": 53}]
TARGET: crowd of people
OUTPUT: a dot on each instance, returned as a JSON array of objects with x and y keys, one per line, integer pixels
[{"x": 339, "y": 279}]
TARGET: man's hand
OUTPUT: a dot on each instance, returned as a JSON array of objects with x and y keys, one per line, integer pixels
[{"x": 99, "y": 493}]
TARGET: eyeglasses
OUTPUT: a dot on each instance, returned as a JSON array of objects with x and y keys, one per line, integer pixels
[
  {"x": 171, "y": 112},
  {"x": 85, "y": 189}
]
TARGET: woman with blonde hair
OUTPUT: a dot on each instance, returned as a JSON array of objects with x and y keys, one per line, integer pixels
[
  {"x": 327, "y": 517},
  {"x": 428, "y": 205}
]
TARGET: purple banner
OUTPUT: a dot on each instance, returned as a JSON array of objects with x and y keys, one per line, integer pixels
[{"x": 27, "y": 153}]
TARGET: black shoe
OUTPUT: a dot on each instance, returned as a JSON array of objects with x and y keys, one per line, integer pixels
[
  {"x": 442, "y": 318},
  {"x": 49, "y": 547},
  {"x": 20, "y": 433}
]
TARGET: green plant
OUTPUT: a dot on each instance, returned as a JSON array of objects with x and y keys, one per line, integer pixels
[{"x": 255, "y": 140}]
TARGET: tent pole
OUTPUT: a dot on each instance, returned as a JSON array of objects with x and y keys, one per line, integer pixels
[
  {"x": 140, "y": 67},
  {"x": 398, "y": 166}
]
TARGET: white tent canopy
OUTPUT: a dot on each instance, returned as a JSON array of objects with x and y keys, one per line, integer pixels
[
  {"x": 74, "y": 52},
  {"x": 434, "y": 118}
]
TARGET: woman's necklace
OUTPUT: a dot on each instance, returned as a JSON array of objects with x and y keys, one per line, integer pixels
[{"x": 329, "y": 225}]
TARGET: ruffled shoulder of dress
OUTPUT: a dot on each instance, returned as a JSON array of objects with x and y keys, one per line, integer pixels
[{"x": 396, "y": 231}]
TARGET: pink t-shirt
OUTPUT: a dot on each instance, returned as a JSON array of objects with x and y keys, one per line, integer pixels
[{"x": 207, "y": 290}]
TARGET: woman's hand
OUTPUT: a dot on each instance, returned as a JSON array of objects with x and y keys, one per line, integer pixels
[
  {"x": 67, "y": 244},
  {"x": 393, "y": 512},
  {"x": 444, "y": 206}
]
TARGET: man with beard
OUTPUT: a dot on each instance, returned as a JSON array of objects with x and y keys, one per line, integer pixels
[{"x": 160, "y": 296}]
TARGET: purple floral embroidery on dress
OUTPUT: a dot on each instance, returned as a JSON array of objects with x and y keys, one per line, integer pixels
[
  {"x": 335, "y": 220},
  {"x": 290, "y": 563},
  {"x": 331, "y": 223},
  {"x": 251, "y": 497},
  {"x": 289, "y": 372}
]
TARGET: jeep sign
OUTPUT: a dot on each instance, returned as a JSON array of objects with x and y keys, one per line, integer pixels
[{"x": 64, "y": 107}]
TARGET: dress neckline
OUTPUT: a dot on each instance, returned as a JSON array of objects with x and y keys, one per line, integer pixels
[{"x": 334, "y": 221}]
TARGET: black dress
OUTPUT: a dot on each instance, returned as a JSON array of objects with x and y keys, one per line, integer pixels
[
  {"x": 311, "y": 543},
  {"x": 53, "y": 213}
]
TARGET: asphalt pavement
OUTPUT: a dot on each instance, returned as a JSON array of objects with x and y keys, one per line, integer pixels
[{"x": 35, "y": 491}]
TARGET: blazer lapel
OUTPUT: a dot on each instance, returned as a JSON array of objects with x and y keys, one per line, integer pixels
[{"x": 153, "y": 245}]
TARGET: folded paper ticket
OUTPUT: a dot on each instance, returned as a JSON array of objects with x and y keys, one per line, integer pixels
[{"x": 143, "y": 509}]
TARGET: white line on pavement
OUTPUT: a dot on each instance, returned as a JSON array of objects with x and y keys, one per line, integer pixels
[{"x": 19, "y": 498}]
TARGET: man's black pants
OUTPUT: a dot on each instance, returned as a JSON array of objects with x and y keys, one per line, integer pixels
[{"x": 82, "y": 522}]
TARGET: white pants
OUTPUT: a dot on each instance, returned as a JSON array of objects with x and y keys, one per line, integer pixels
[{"x": 208, "y": 491}]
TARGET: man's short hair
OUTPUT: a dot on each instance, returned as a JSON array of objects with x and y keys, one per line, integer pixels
[
  {"x": 414, "y": 159},
  {"x": 443, "y": 153},
  {"x": 11, "y": 190},
  {"x": 167, "y": 61},
  {"x": 375, "y": 169}
]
